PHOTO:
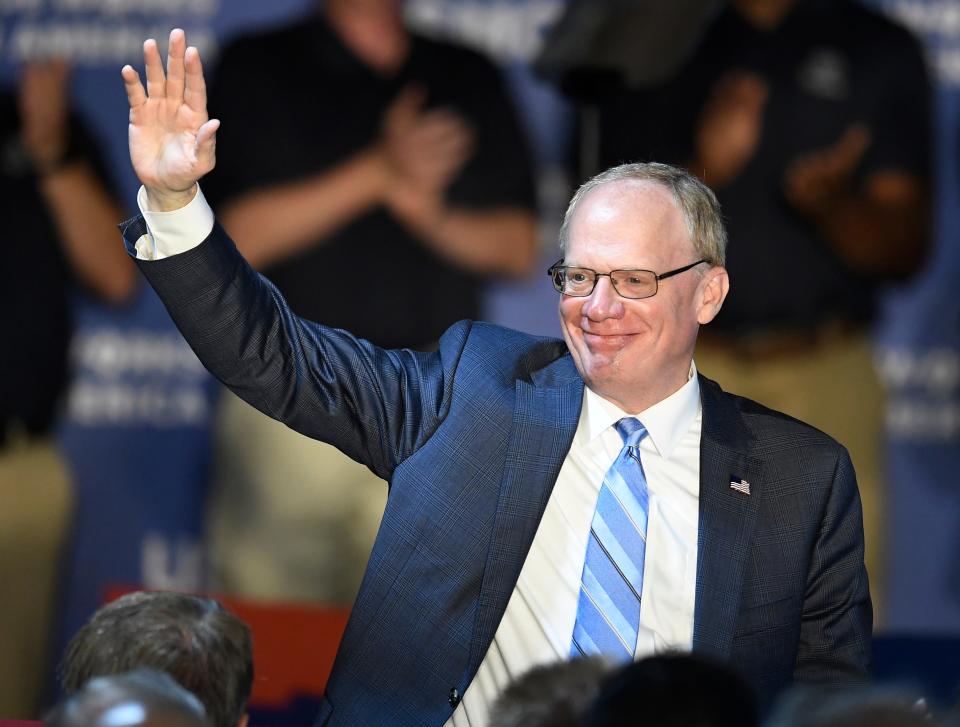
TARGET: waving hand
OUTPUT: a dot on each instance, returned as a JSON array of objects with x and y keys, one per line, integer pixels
[{"x": 172, "y": 140}]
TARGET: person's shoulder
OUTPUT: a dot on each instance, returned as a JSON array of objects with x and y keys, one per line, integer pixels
[
  {"x": 772, "y": 431},
  {"x": 514, "y": 353},
  {"x": 487, "y": 335},
  {"x": 877, "y": 30},
  {"x": 260, "y": 46}
]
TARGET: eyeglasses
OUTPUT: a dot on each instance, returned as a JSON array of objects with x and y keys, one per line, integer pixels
[{"x": 634, "y": 284}]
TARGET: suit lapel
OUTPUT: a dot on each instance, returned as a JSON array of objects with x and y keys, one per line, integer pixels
[
  {"x": 727, "y": 520},
  {"x": 545, "y": 419}
]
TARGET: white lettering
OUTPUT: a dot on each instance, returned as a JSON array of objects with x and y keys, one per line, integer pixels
[
  {"x": 94, "y": 42},
  {"x": 121, "y": 404},
  {"x": 937, "y": 22},
  {"x": 112, "y": 352},
  {"x": 909, "y": 420},
  {"x": 935, "y": 372},
  {"x": 924, "y": 394},
  {"x": 940, "y": 17},
  {"x": 195, "y": 8},
  {"x": 507, "y": 31},
  {"x": 171, "y": 566}
]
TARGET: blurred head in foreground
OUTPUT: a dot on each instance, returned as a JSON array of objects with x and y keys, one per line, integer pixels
[
  {"x": 554, "y": 695},
  {"x": 674, "y": 690},
  {"x": 195, "y": 640},
  {"x": 142, "y": 698}
]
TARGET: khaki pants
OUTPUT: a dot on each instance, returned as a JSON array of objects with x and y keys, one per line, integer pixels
[
  {"x": 833, "y": 386},
  {"x": 291, "y": 518},
  {"x": 36, "y": 504}
]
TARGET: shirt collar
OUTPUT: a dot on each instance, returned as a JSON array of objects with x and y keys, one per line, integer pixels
[{"x": 666, "y": 421}]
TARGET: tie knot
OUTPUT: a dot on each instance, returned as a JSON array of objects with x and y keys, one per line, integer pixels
[{"x": 631, "y": 430}]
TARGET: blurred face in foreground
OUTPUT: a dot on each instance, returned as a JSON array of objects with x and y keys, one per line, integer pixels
[{"x": 635, "y": 353}]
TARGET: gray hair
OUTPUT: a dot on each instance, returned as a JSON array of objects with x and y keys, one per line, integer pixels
[
  {"x": 195, "y": 640},
  {"x": 696, "y": 201}
]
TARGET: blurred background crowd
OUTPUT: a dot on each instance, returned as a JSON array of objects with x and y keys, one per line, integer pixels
[{"x": 396, "y": 166}]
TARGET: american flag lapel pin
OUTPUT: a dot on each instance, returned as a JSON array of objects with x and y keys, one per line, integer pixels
[{"x": 740, "y": 485}]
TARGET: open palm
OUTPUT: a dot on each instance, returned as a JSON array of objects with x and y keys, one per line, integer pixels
[{"x": 171, "y": 136}]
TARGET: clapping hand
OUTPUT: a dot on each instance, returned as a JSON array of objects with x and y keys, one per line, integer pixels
[
  {"x": 730, "y": 127},
  {"x": 818, "y": 182},
  {"x": 172, "y": 139},
  {"x": 425, "y": 149}
]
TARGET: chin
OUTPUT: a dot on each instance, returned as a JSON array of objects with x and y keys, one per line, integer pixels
[{"x": 601, "y": 377}]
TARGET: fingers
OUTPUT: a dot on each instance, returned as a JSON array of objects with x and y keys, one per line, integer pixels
[
  {"x": 206, "y": 144},
  {"x": 411, "y": 98},
  {"x": 175, "y": 64},
  {"x": 182, "y": 82},
  {"x": 846, "y": 153},
  {"x": 836, "y": 162},
  {"x": 136, "y": 95},
  {"x": 195, "y": 93},
  {"x": 814, "y": 182},
  {"x": 737, "y": 99},
  {"x": 436, "y": 149},
  {"x": 442, "y": 125},
  {"x": 404, "y": 109},
  {"x": 448, "y": 142},
  {"x": 425, "y": 147},
  {"x": 156, "y": 80},
  {"x": 749, "y": 91}
]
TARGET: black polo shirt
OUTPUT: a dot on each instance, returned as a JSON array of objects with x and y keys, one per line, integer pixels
[
  {"x": 829, "y": 64},
  {"x": 295, "y": 102}
]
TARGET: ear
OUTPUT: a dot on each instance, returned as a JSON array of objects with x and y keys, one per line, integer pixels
[
  {"x": 711, "y": 292},
  {"x": 242, "y": 722}
]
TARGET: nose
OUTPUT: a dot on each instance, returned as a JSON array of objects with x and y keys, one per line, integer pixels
[{"x": 604, "y": 302}]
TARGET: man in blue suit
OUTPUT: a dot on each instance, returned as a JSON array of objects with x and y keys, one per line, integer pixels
[{"x": 505, "y": 452}]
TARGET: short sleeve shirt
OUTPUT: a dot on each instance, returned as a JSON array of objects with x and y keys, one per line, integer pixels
[
  {"x": 372, "y": 277},
  {"x": 830, "y": 64}
]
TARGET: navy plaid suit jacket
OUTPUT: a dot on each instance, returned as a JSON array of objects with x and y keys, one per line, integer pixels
[{"x": 471, "y": 438}]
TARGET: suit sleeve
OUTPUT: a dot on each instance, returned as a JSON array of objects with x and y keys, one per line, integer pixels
[
  {"x": 837, "y": 619},
  {"x": 375, "y": 405}
]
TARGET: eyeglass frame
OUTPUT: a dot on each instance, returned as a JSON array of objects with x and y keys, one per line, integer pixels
[{"x": 657, "y": 277}]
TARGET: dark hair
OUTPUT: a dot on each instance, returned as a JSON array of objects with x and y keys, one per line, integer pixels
[
  {"x": 195, "y": 640},
  {"x": 553, "y": 695},
  {"x": 674, "y": 690},
  {"x": 147, "y": 697}
]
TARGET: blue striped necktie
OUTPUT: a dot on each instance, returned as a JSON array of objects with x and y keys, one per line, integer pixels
[{"x": 608, "y": 612}]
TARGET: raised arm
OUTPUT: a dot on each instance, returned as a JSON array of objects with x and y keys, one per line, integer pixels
[
  {"x": 377, "y": 406},
  {"x": 172, "y": 139},
  {"x": 273, "y": 222}
]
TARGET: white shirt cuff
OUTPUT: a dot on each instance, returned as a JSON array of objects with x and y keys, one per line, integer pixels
[{"x": 171, "y": 233}]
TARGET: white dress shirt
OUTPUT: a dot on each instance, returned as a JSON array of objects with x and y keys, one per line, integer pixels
[{"x": 538, "y": 623}]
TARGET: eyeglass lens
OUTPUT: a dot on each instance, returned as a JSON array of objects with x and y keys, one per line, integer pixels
[{"x": 628, "y": 283}]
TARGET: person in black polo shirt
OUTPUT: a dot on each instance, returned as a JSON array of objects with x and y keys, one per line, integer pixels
[
  {"x": 810, "y": 120},
  {"x": 376, "y": 187},
  {"x": 59, "y": 228}
]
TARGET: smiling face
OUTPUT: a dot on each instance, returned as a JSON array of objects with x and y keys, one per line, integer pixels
[{"x": 635, "y": 353}]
